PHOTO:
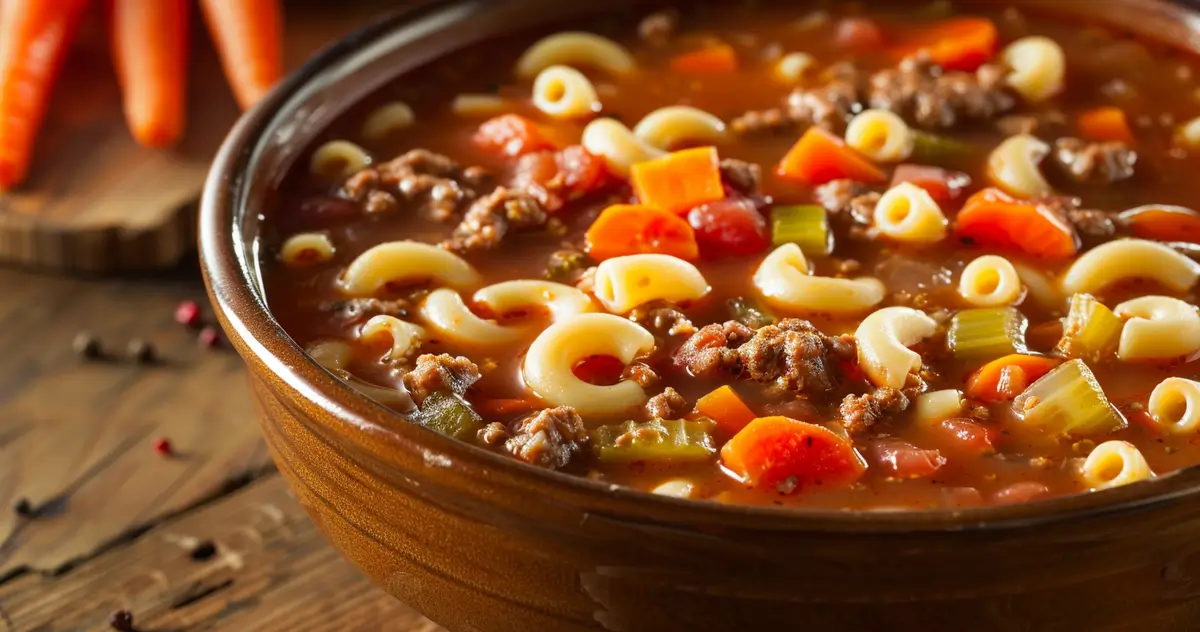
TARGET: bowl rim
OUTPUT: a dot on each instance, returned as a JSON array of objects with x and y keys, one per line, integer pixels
[{"x": 229, "y": 266}]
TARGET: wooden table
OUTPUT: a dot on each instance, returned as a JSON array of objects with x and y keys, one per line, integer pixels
[{"x": 205, "y": 539}]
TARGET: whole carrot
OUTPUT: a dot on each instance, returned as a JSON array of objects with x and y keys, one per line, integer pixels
[
  {"x": 34, "y": 38},
  {"x": 150, "y": 47},
  {"x": 249, "y": 39}
]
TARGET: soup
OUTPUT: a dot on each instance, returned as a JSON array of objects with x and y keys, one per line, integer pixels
[{"x": 841, "y": 258}]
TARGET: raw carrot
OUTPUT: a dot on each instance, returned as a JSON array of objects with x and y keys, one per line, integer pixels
[
  {"x": 505, "y": 406},
  {"x": 955, "y": 44},
  {"x": 710, "y": 59},
  {"x": 1105, "y": 124},
  {"x": 249, "y": 39},
  {"x": 774, "y": 450},
  {"x": 624, "y": 229},
  {"x": 1004, "y": 378},
  {"x": 680, "y": 180},
  {"x": 150, "y": 46},
  {"x": 511, "y": 135},
  {"x": 727, "y": 409},
  {"x": 993, "y": 218},
  {"x": 1163, "y": 223},
  {"x": 34, "y": 38},
  {"x": 819, "y": 157}
]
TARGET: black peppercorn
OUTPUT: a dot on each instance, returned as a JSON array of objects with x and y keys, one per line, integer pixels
[
  {"x": 87, "y": 346},
  {"x": 121, "y": 621},
  {"x": 204, "y": 551},
  {"x": 22, "y": 507},
  {"x": 141, "y": 351}
]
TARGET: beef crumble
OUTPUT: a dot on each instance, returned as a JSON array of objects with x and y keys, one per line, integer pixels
[
  {"x": 438, "y": 183},
  {"x": 1089, "y": 223},
  {"x": 662, "y": 317},
  {"x": 356, "y": 310},
  {"x": 490, "y": 218},
  {"x": 795, "y": 356},
  {"x": 923, "y": 92},
  {"x": 1085, "y": 161},
  {"x": 741, "y": 176},
  {"x": 658, "y": 27},
  {"x": 848, "y": 200},
  {"x": 712, "y": 350},
  {"x": 549, "y": 438},
  {"x": 433, "y": 373},
  {"x": 859, "y": 412}
]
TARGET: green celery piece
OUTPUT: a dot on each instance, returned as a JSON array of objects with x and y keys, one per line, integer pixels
[
  {"x": 1091, "y": 330},
  {"x": 805, "y": 225},
  {"x": 1068, "y": 400},
  {"x": 657, "y": 440},
  {"x": 448, "y": 414},
  {"x": 750, "y": 314},
  {"x": 987, "y": 333},
  {"x": 934, "y": 149}
]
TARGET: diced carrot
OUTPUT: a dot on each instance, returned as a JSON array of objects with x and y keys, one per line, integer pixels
[
  {"x": 942, "y": 185},
  {"x": 511, "y": 135},
  {"x": 1105, "y": 124},
  {"x": 505, "y": 406},
  {"x": 249, "y": 39},
  {"x": 993, "y": 218},
  {"x": 34, "y": 38},
  {"x": 772, "y": 450},
  {"x": 708, "y": 60},
  {"x": 680, "y": 180},
  {"x": 599, "y": 369},
  {"x": 150, "y": 47},
  {"x": 727, "y": 409},
  {"x": 1004, "y": 378},
  {"x": 1163, "y": 223},
  {"x": 955, "y": 44},
  {"x": 624, "y": 229},
  {"x": 819, "y": 157},
  {"x": 858, "y": 34}
]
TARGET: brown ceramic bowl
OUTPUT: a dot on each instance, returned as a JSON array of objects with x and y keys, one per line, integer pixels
[{"x": 480, "y": 543}]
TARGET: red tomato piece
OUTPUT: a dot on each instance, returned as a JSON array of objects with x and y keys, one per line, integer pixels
[
  {"x": 859, "y": 34},
  {"x": 898, "y": 458},
  {"x": 943, "y": 185},
  {"x": 963, "y": 436},
  {"x": 511, "y": 135},
  {"x": 1022, "y": 492},
  {"x": 731, "y": 227},
  {"x": 554, "y": 177},
  {"x": 599, "y": 369}
]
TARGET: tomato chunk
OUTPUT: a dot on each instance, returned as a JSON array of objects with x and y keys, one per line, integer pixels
[
  {"x": 732, "y": 227},
  {"x": 511, "y": 135},
  {"x": 555, "y": 177},
  {"x": 599, "y": 369},
  {"x": 858, "y": 34},
  {"x": 943, "y": 185}
]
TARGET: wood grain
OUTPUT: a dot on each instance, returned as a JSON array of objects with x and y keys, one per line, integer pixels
[{"x": 270, "y": 572}]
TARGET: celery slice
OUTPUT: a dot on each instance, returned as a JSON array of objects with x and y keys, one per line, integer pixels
[
  {"x": 663, "y": 440},
  {"x": 1068, "y": 400},
  {"x": 448, "y": 414},
  {"x": 987, "y": 333},
  {"x": 749, "y": 313},
  {"x": 1091, "y": 330},
  {"x": 806, "y": 226},
  {"x": 934, "y": 149}
]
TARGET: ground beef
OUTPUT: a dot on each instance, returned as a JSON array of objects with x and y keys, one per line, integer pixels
[
  {"x": 712, "y": 350},
  {"x": 741, "y": 176},
  {"x": 657, "y": 28},
  {"x": 668, "y": 404},
  {"x": 444, "y": 372},
  {"x": 359, "y": 309},
  {"x": 830, "y": 105},
  {"x": 1093, "y": 162},
  {"x": 1090, "y": 223},
  {"x": 859, "y": 412},
  {"x": 438, "y": 183},
  {"x": 567, "y": 265},
  {"x": 755, "y": 121},
  {"x": 849, "y": 201},
  {"x": 641, "y": 374},
  {"x": 794, "y": 355},
  {"x": 662, "y": 317},
  {"x": 493, "y": 434},
  {"x": 1015, "y": 124},
  {"x": 489, "y": 219},
  {"x": 921, "y": 91},
  {"x": 548, "y": 438}
]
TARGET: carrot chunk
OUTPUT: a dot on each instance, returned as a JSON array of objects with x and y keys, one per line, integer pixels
[
  {"x": 680, "y": 180},
  {"x": 1004, "y": 378},
  {"x": 1105, "y": 124},
  {"x": 624, "y": 229},
  {"x": 1163, "y": 223},
  {"x": 511, "y": 135},
  {"x": 727, "y": 409},
  {"x": 708, "y": 60},
  {"x": 774, "y": 450},
  {"x": 150, "y": 48},
  {"x": 819, "y": 157},
  {"x": 249, "y": 39},
  {"x": 954, "y": 44},
  {"x": 993, "y": 218}
]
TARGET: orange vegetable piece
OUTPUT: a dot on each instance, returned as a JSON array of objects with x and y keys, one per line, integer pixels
[
  {"x": 727, "y": 409},
  {"x": 249, "y": 39},
  {"x": 1105, "y": 124},
  {"x": 771, "y": 450},
  {"x": 150, "y": 49},
  {"x": 1004, "y": 378},
  {"x": 942, "y": 185},
  {"x": 992, "y": 218},
  {"x": 819, "y": 157},
  {"x": 858, "y": 34},
  {"x": 710, "y": 59},
  {"x": 511, "y": 135},
  {"x": 624, "y": 229},
  {"x": 954, "y": 44},
  {"x": 1163, "y": 223},
  {"x": 680, "y": 180}
]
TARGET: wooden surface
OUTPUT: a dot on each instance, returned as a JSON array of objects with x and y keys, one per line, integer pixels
[
  {"x": 97, "y": 203},
  {"x": 116, "y": 520}
]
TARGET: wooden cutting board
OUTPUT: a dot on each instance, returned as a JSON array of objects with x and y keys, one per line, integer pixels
[{"x": 97, "y": 203}]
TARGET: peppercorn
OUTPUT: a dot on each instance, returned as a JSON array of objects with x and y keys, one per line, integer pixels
[
  {"x": 187, "y": 313},
  {"x": 22, "y": 507},
  {"x": 204, "y": 551},
  {"x": 121, "y": 621},
  {"x": 209, "y": 337},
  {"x": 141, "y": 351},
  {"x": 87, "y": 346},
  {"x": 162, "y": 446}
]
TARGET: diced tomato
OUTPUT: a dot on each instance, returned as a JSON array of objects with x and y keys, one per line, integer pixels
[
  {"x": 554, "y": 177},
  {"x": 859, "y": 34},
  {"x": 898, "y": 458},
  {"x": 602, "y": 370},
  {"x": 944, "y": 186},
  {"x": 511, "y": 135},
  {"x": 582, "y": 172},
  {"x": 962, "y": 436},
  {"x": 1022, "y": 492},
  {"x": 961, "y": 497},
  {"x": 731, "y": 227}
]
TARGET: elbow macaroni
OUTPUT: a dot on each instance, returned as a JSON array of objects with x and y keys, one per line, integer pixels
[
  {"x": 1125, "y": 259},
  {"x": 338, "y": 159},
  {"x": 405, "y": 337},
  {"x": 575, "y": 48},
  {"x": 1037, "y": 65},
  {"x": 306, "y": 249},
  {"x": 990, "y": 281},
  {"x": 387, "y": 120},
  {"x": 549, "y": 365},
  {"x": 880, "y": 135},
  {"x": 618, "y": 146},
  {"x": 792, "y": 67},
  {"x": 623, "y": 283},
  {"x": 907, "y": 213},
  {"x": 405, "y": 262},
  {"x": 787, "y": 284},
  {"x": 1115, "y": 463},
  {"x": 445, "y": 312},
  {"x": 1042, "y": 288},
  {"x": 559, "y": 300},
  {"x": 564, "y": 93},
  {"x": 1014, "y": 165},
  {"x": 1157, "y": 328},
  {"x": 666, "y": 128},
  {"x": 883, "y": 341},
  {"x": 1175, "y": 405},
  {"x": 447, "y": 315}
]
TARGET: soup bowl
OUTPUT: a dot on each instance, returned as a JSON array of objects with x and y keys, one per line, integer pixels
[{"x": 480, "y": 543}]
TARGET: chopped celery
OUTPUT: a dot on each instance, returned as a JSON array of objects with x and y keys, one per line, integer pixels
[
  {"x": 750, "y": 314},
  {"x": 1091, "y": 330},
  {"x": 448, "y": 414},
  {"x": 671, "y": 440},
  {"x": 806, "y": 226},
  {"x": 986, "y": 333},
  {"x": 934, "y": 149},
  {"x": 1068, "y": 400}
]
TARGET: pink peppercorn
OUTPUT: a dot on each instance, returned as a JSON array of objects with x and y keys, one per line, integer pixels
[
  {"x": 188, "y": 313},
  {"x": 162, "y": 446},
  {"x": 209, "y": 337}
]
